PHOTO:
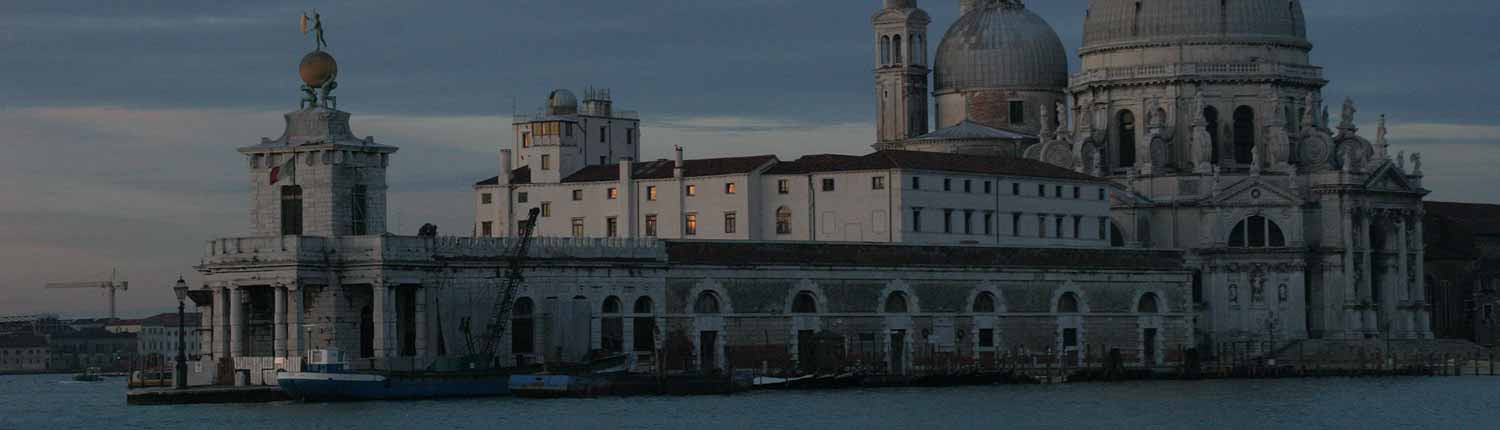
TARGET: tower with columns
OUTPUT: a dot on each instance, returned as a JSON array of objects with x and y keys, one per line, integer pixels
[{"x": 901, "y": 70}]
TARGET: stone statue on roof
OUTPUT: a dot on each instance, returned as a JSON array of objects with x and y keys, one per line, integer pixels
[{"x": 317, "y": 30}]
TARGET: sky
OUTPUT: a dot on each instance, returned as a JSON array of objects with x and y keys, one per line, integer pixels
[{"x": 120, "y": 119}]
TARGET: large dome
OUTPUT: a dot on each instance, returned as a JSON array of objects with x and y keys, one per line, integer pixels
[
  {"x": 1000, "y": 44},
  {"x": 1111, "y": 22}
]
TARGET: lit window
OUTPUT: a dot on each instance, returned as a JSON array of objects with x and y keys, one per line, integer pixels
[
  {"x": 690, "y": 227},
  {"x": 729, "y": 188},
  {"x": 651, "y": 193},
  {"x": 546, "y": 209},
  {"x": 612, "y": 193},
  {"x": 692, "y": 190}
]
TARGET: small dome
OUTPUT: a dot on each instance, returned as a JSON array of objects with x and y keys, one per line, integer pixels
[
  {"x": 318, "y": 68},
  {"x": 1111, "y": 22},
  {"x": 1000, "y": 44},
  {"x": 562, "y": 102}
]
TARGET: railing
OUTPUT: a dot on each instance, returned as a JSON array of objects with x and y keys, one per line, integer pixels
[
  {"x": 522, "y": 118},
  {"x": 408, "y": 248},
  {"x": 1158, "y": 71}
]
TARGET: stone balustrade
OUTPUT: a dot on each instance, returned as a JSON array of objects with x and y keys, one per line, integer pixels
[
  {"x": 409, "y": 248},
  {"x": 1182, "y": 70}
]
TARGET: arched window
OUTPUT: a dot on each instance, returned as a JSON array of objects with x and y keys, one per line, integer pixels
[
  {"x": 1244, "y": 134},
  {"x": 643, "y": 326},
  {"x": 984, "y": 303},
  {"x": 1257, "y": 232},
  {"x": 1067, "y": 304},
  {"x": 291, "y": 210},
  {"x": 915, "y": 43},
  {"x": 896, "y": 48},
  {"x": 896, "y": 303},
  {"x": 783, "y": 220},
  {"x": 523, "y": 332},
  {"x": 805, "y": 303},
  {"x": 612, "y": 327},
  {"x": 1116, "y": 239},
  {"x": 708, "y": 303},
  {"x": 1211, "y": 120},
  {"x": 1147, "y": 304},
  {"x": 1126, "y": 138},
  {"x": 885, "y": 50}
]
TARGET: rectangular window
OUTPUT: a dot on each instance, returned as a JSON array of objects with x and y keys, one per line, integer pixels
[
  {"x": 947, "y": 184},
  {"x": 1017, "y": 112},
  {"x": 1015, "y": 189},
  {"x": 987, "y": 189},
  {"x": 546, "y": 209},
  {"x": 486, "y": 229},
  {"x": 1041, "y": 190},
  {"x": 629, "y": 136},
  {"x": 358, "y": 206},
  {"x": 612, "y": 227},
  {"x": 690, "y": 226},
  {"x": 916, "y": 182},
  {"x": 968, "y": 222},
  {"x": 525, "y": 140},
  {"x": 577, "y": 195},
  {"x": 650, "y": 225},
  {"x": 947, "y": 220},
  {"x": 1015, "y": 224},
  {"x": 612, "y": 193},
  {"x": 1057, "y": 192},
  {"x": 1077, "y": 193},
  {"x": 729, "y": 188},
  {"x": 1041, "y": 225},
  {"x": 603, "y": 134},
  {"x": 877, "y": 183},
  {"x": 1103, "y": 227},
  {"x": 1101, "y": 194},
  {"x": 968, "y": 186},
  {"x": 568, "y": 131},
  {"x": 986, "y": 338},
  {"x": 989, "y": 223},
  {"x": 1070, "y": 338},
  {"x": 291, "y": 210},
  {"x": 521, "y": 197},
  {"x": 916, "y": 220},
  {"x": 651, "y": 193},
  {"x": 1059, "y": 229},
  {"x": 783, "y": 186},
  {"x": 827, "y": 184},
  {"x": 729, "y": 222},
  {"x": 546, "y": 162},
  {"x": 486, "y": 198},
  {"x": 577, "y": 227},
  {"x": 1077, "y": 222},
  {"x": 692, "y": 190}
]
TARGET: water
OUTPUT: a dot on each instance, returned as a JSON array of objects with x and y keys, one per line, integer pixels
[{"x": 55, "y": 402}]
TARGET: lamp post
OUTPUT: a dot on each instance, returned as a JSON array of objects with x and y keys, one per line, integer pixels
[{"x": 179, "y": 377}]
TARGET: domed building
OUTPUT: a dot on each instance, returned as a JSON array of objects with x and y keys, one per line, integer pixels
[{"x": 998, "y": 72}]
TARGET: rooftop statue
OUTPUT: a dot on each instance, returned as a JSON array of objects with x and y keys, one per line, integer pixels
[{"x": 317, "y": 30}]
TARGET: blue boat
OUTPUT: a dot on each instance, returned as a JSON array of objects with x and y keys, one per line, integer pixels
[{"x": 328, "y": 379}]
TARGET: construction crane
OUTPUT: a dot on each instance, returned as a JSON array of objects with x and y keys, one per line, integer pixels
[
  {"x": 110, "y": 286},
  {"x": 506, "y": 295}
]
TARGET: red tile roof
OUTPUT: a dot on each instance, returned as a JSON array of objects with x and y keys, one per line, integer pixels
[{"x": 662, "y": 169}]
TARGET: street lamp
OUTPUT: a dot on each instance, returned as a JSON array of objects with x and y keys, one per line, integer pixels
[{"x": 179, "y": 380}]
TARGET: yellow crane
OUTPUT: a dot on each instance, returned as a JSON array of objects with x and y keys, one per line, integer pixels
[{"x": 111, "y": 286}]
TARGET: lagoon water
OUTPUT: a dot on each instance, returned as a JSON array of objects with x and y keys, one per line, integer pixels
[{"x": 55, "y": 402}]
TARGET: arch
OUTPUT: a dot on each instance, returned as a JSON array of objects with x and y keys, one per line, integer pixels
[
  {"x": 1211, "y": 123},
  {"x": 1067, "y": 303},
  {"x": 1116, "y": 237},
  {"x": 1147, "y": 304},
  {"x": 1125, "y": 138},
  {"x": 912, "y": 48},
  {"x": 805, "y": 303},
  {"x": 1068, "y": 299},
  {"x": 896, "y": 48},
  {"x": 707, "y": 303},
  {"x": 611, "y": 306},
  {"x": 984, "y": 303},
  {"x": 644, "y": 306},
  {"x": 896, "y": 303},
  {"x": 1244, "y": 135},
  {"x": 1257, "y": 232},
  {"x": 612, "y": 326},
  {"x": 783, "y": 220},
  {"x": 885, "y": 50}
]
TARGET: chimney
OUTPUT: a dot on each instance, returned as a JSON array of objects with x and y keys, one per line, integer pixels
[
  {"x": 679, "y": 167},
  {"x": 505, "y": 167},
  {"x": 626, "y": 196}
]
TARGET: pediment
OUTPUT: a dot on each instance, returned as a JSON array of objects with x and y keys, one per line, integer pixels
[
  {"x": 1255, "y": 191},
  {"x": 1388, "y": 177}
]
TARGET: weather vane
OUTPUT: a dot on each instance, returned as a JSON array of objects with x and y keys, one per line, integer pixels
[{"x": 317, "y": 29}]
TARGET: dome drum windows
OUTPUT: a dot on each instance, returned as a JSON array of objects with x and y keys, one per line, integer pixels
[{"x": 1125, "y": 139}]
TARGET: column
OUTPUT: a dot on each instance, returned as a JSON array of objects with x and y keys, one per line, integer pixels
[
  {"x": 1424, "y": 318},
  {"x": 1366, "y": 275},
  {"x": 1351, "y": 292},
  {"x": 294, "y": 324},
  {"x": 1408, "y": 322},
  {"x": 380, "y": 295},
  {"x": 420, "y": 295},
  {"x": 220, "y": 345},
  {"x": 236, "y": 323},
  {"x": 278, "y": 335}
]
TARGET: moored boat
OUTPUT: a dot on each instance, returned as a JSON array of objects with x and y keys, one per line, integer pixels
[{"x": 329, "y": 379}]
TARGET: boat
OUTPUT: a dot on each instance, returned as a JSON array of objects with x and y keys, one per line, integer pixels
[
  {"x": 89, "y": 375},
  {"x": 328, "y": 379}
]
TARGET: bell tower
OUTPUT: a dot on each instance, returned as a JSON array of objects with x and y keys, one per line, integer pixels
[
  {"x": 901, "y": 70},
  {"x": 318, "y": 179}
]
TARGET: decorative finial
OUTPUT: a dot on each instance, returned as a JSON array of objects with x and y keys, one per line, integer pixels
[
  {"x": 317, "y": 29},
  {"x": 1346, "y": 118},
  {"x": 1381, "y": 146},
  {"x": 1416, "y": 164}
]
